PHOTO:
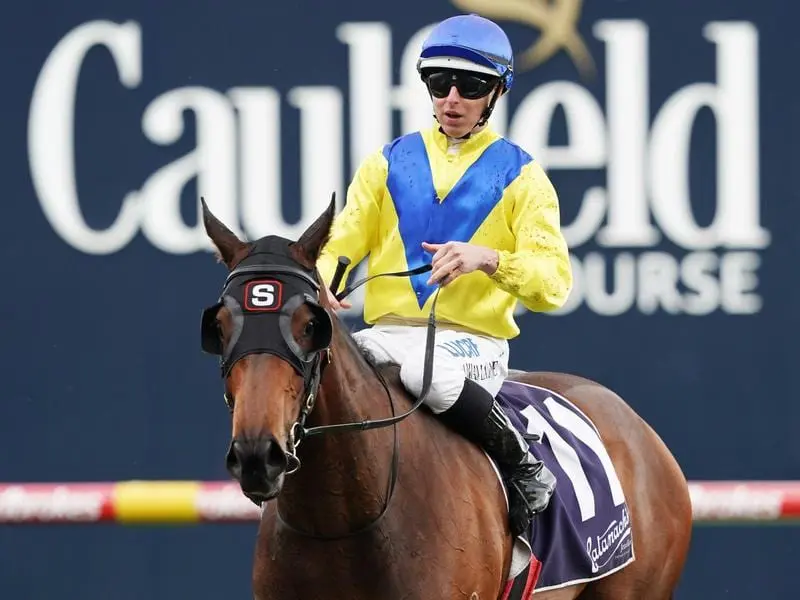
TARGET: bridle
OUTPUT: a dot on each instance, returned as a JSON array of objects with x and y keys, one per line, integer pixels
[{"x": 313, "y": 365}]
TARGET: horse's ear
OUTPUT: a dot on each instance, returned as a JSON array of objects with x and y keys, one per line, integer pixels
[
  {"x": 306, "y": 250},
  {"x": 230, "y": 248}
]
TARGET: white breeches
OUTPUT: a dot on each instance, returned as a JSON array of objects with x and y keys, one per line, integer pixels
[{"x": 456, "y": 356}]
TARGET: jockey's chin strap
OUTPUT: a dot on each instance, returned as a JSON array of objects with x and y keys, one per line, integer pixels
[{"x": 299, "y": 431}]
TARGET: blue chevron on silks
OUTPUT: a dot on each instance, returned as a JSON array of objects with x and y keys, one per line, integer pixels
[{"x": 423, "y": 217}]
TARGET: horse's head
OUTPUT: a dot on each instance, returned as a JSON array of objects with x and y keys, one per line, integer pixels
[{"x": 270, "y": 333}]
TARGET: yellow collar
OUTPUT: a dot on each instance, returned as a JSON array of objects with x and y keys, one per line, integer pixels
[{"x": 476, "y": 140}]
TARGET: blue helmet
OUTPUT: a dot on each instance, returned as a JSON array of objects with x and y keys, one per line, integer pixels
[{"x": 470, "y": 43}]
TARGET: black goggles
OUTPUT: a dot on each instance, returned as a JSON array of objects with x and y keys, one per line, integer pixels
[{"x": 470, "y": 86}]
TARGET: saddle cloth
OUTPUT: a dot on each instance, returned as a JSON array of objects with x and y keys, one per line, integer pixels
[{"x": 585, "y": 532}]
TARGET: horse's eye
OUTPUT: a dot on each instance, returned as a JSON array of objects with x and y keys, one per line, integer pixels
[{"x": 308, "y": 331}]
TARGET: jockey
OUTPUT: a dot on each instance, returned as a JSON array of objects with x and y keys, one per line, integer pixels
[{"x": 484, "y": 214}]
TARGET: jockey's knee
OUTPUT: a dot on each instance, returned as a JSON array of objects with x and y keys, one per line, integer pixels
[
  {"x": 372, "y": 343},
  {"x": 446, "y": 383}
]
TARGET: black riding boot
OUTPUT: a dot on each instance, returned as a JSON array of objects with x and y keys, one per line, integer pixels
[{"x": 479, "y": 418}]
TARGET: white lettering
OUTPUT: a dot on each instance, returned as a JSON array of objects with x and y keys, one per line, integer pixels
[
  {"x": 238, "y": 166},
  {"x": 263, "y": 295},
  {"x": 530, "y": 127},
  {"x": 698, "y": 284},
  {"x": 321, "y": 150},
  {"x": 370, "y": 68},
  {"x": 734, "y": 103},
  {"x": 739, "y": 279},
  {"x": 51, "y": 133},
  {"x": 59, "y": 504},
  {"x": 627, "y": 102},
  {"x": 260, "y": 159},
  {"x": 225, "y": 503},
  {"x": 658, "y": 283},
  {"x": 740, "y": 502},
  {"x": 609, "y": 541},
  {"x": 586, "y": 149},
  {"x": 212, "y": 163},
  {"x": 624, "y": 284},
  {"x": 697, "y": 272}
]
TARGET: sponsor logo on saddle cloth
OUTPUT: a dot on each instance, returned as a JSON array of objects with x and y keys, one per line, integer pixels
[
  {"x": 602, "y": 548},
  {"x": 585, "y": 532}
]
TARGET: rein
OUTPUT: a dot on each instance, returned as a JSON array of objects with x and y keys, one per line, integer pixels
[
  {"x": 427, "y": 373},
  {"x": 299, "y": 432}
]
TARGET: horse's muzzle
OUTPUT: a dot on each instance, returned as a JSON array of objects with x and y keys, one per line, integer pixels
[{"x": 258, "y": 464}]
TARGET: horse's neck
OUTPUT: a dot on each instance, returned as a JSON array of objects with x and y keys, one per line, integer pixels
[{"x": 342, "y": 482}]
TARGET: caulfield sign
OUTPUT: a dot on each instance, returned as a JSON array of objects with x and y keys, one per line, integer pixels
[{"x": 639, "y": 154}]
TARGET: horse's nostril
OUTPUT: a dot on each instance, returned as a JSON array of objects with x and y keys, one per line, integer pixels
[
  {"x": 275, "y": 459},
  {"x": 233, "y": 459},
  {"x": 256, "y": 458}
]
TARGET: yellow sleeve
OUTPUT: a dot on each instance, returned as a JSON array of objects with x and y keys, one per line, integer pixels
[
  {"x": 538, "y": 272},
  {"x": 355, "y": 229}
]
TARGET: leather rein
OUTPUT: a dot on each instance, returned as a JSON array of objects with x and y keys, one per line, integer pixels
[{"x": 299, "y": 431}]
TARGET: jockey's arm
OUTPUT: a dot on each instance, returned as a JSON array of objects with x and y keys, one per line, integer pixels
[
  {"x": 538, "y": 273},
  {"x": 355, "y": 229}
]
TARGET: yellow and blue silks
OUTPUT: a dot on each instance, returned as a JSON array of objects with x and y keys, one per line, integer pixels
[{"x": 488, "y": 192}]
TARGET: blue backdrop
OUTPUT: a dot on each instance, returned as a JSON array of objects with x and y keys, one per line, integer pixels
[{"x": 667, "y": 129}]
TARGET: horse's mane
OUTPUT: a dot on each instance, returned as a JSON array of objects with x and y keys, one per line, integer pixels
[{"x": 386, "y": 372}]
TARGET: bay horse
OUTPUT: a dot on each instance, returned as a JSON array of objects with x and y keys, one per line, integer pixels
[{"x": 411, "y": 511}]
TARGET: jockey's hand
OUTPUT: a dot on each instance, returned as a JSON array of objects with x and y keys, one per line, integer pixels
[
  {"x": 332, "y": 302},
  {"x": 454, "y": 259}
]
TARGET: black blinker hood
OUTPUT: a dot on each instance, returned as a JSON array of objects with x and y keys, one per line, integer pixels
[{"x": 262, "y": 293}]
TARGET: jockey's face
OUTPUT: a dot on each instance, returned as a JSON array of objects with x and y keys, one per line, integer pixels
[{"x": 459, "y": 111}]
